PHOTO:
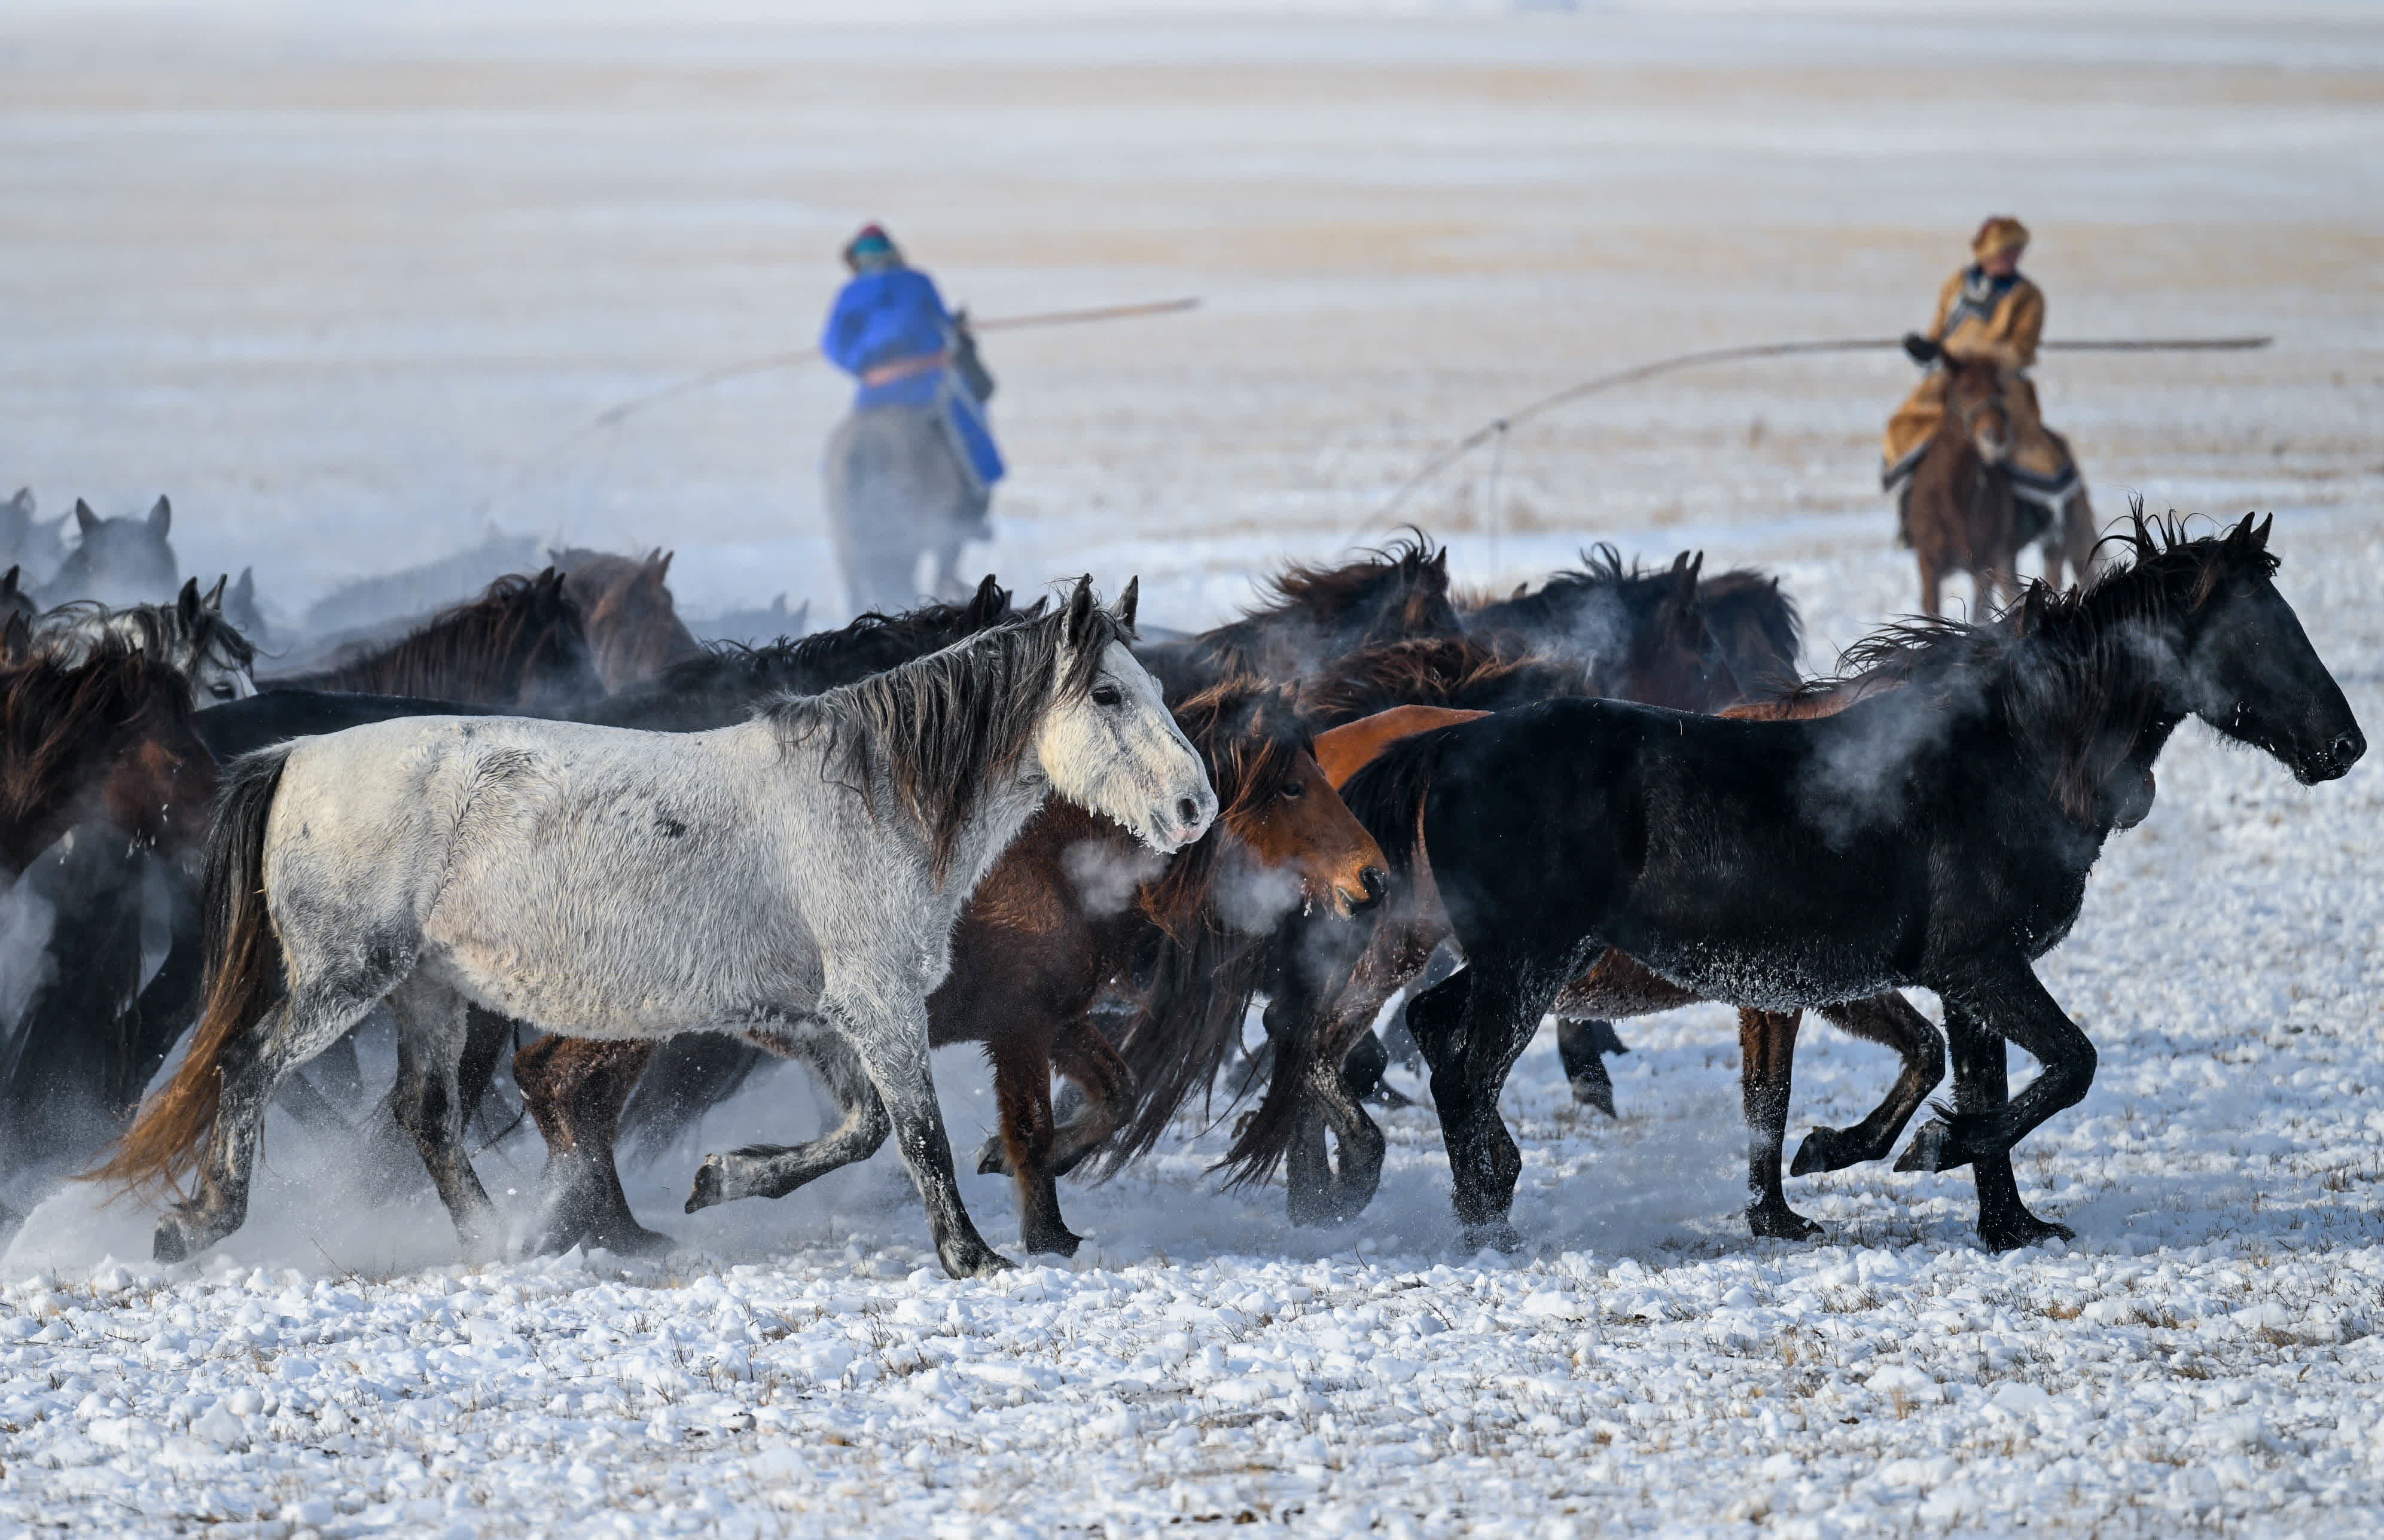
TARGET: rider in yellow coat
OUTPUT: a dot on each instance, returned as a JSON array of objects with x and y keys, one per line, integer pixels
[{"x": 1987, "y": 310}]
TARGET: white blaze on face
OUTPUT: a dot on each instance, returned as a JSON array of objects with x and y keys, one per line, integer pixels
[{"x": 1117, "y": 751}]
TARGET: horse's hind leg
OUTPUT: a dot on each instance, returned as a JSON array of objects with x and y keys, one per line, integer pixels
[
  {"x": 1472, "y": 1028},
  {"x": 774, "y": 1171},
  {"x": 1082, "y": 1054},
  {"x": 432, "y": 1031},
  {"x": 1983, "y": 1111},
  {"x": 575, "y": 1089},
  {"x": 1767, "y": 1046},
  {"x": 253, "y": 1065},
  {"x": 1890, "y": 1021},
  {"x": 1582, "y": 1043},
  {"x": 1022, "y": 1083}
]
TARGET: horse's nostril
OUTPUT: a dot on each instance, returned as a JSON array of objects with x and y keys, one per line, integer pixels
[
  {"x": 1376, "y": 882},
  {"x": 1187, "y": 811},
  {"x": 2349, "y": 747}
]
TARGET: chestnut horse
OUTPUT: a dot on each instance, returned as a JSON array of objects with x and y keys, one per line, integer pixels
[
  {"x": 1068, "y": 907},
  {"x": 624, "y": 601},
  {"x": 1960, "y": 512}
]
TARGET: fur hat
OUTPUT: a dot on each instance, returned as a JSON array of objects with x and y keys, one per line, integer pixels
[
  {"x": 2000, "y": 233},
  {"x": 872, "y": 249}
]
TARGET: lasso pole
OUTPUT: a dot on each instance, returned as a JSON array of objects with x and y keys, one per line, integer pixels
[{"x": 1498, "y": 427}]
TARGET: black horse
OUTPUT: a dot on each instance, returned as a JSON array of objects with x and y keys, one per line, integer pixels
[{"x": 1938, "y": 835}]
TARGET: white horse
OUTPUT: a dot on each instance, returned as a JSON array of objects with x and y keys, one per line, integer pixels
[
  {"x": 189, "y": 636},
  {"x": 794, "y": 875}
]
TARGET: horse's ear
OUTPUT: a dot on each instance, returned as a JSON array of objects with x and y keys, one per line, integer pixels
[
  {"x": 662, "y": 562},
  {"x": 85, "y": 520},
  {"x": 245, "y": 590},
  {"x": 2260, "y": 535},
  {"x": 188, "y": 601},
  {"x": 1080, "y": 612},
  {"x": 9, "y": 584},
  {"x": 23, "y": 502},
  {"x": 1686, "y": 568},
  {"x": 15, "y": 638},
  {"x": 213, "y": 598},
  {"x": 161, "y": 517},
  {"x": 1439, "y": 563},
  {"x": 987, "y": 602},
  {"x": 1122, "y": 611}
]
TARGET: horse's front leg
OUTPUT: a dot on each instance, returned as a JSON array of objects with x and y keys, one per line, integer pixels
[
  {"x": 887, "y": 1028},
  {"x": 1890, "y": 1021},
  {"x": 1472, "y": 1028},
  {"x": 774, "y": 1171},
  {"x": 1766, "y": 1058},
  {"x": 432, "y": 1030},
  {"x": 1987, "y": 1120}
]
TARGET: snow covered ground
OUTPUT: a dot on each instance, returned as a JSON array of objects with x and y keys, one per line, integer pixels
[{"x": 333, "y": 285}]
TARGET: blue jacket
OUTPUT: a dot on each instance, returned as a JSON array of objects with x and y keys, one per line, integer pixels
[{"x": 885, "y": 317}]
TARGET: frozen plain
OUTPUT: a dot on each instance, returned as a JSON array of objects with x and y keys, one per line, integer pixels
[{"x": 332, "y": 287}]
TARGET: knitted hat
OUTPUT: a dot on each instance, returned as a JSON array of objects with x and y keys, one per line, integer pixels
[
  {"x": 2000, "y": 233},
  {"x": 871, "y": 250}
]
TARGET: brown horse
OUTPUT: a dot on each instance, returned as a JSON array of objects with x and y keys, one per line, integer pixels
[
  {"x": 1069, "y": 906},
  {"x": 1960, "y": 513},
  {"x": 1316, "y": 613},
  {"x": 104, "y": 791},
  {"x": 1285, "y": 1128},
  {"x": 522, "y": 646},
  {"x": 625, "y": 603},
  {"x": 108, "y": 741}
]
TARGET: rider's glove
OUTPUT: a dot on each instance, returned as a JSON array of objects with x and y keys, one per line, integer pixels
[{"x": 1922, "y": 350}]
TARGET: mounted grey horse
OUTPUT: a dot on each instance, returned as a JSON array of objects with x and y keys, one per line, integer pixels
[
  {"x": 189, "y": 636},
  {"x": 790, "y": 880},
  {"x": 898, "y": 484}
]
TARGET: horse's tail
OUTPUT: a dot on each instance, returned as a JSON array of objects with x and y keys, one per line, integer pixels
[
  {"x": 243, "y": 977},
  {"x": 1387, "y": 795}
]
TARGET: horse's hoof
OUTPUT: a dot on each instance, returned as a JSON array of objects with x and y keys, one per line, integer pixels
[
  {"x": 173, "y": 1243},
  {"x": 1824, "y": 1149},
  {"x": 983, "y": 1261},
  {"x": 1497, "y": 1234},
  {"x": 2011, "y": 1233},
  {"x": 992, "y": 1159},
  {"x": 1930, "y": 1149},
  {"x": 707, "y": 1186},
  {"x": 1058, "y": 1242},
  {"x": 630, "y": 1240},
  {"x": 1768, "y": 1221},
  {"x": 1596, "y": 1092}
]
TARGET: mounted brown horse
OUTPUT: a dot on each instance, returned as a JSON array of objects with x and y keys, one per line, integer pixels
[
  {"x": 1068, "y": 907},
  {"x": 104, "y": 791},
  {"x": 1960, "y": 512},
  {"x": 626, "y": 604},
  {"x": 522, "y": 646},
  {"x": 1316, "y": 613}
]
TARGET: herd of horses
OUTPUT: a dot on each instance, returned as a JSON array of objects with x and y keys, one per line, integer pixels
[{"x": 548, "y": 822}]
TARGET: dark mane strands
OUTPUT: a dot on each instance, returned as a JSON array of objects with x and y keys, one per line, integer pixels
[
  {"x": 936, "y": 727},
  {"x": 55, "y": 716},
  {"x": 2072, "y": 671},
  {"x": 209, "y": 633},
  {"x": 465, "y": 651}
]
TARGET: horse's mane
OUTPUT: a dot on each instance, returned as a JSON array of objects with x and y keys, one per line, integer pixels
[
  {"x": 938, "y": 727},
  {"x": 1328, "y": 592},
  {"x": 1435, "y": 671},
  {"x": 729, "y": 675},
  {"x": 472, "y": 652},
  {"x": 55, "y": 715},
  {"x": 2077, "y": 673},
  {"x": 157, "y": 627},
  {"x": 1202, "y": 970}
]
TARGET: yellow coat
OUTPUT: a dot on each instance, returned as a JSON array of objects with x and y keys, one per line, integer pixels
[{"x": 1974, "y": 321}]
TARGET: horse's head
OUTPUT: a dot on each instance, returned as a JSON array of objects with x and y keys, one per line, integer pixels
[
  {"x": 2248, "y": 668},
  {"x": 1753, "y": 637},
  {"x": 1107, "y": 741},
  {"x": 121, "y": 561},
  {"x": 630, "y": 618},
  {"x": 108, "y": 737},
  {"x": 1426, "y": 608},
  {"x": 1975, "y": 400},
  {"x": 548, "y": 637},
  {"x": 219, "y": 661},
  {"x": 1669, "y": 659},
  {"x": 1285, "y": 839}
]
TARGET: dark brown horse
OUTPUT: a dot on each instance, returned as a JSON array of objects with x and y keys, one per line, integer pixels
[
  {"x": 1960, "y": 510},
  {"x": 1069, "y": 906},
  {"x": 104, "y": 791},
  {"x": 632, "y": 622},
  {"x": 1314, "y": 614},
  {"x": 522, "y": 646}
]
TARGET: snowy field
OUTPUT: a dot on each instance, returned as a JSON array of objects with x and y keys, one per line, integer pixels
[{"x": 334, "y": 285}]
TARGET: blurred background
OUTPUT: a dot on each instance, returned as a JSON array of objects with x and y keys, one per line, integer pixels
[{"x": 338, "y": 276}]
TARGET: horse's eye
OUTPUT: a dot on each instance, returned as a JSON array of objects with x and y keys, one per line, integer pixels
[
  {"x": 1293, "y": 792},
  {"x": 1106, "y": 695}
]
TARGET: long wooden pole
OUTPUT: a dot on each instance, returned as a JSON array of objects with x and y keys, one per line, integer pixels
[
  {"x": 1497, "y": 427},
  {"x": 709, "y": 378}
]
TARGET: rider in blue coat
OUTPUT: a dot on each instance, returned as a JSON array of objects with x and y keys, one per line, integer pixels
[{"x": 891, "y": 330}]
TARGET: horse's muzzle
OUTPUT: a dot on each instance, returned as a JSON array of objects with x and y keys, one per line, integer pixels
[
  {"x": 2333, "y": 762},
  {"x": 1373, "y": 883}
]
